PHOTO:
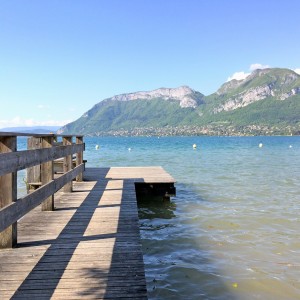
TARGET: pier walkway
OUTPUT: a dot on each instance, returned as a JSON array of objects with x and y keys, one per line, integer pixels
[{"x": 88, "y": 247}]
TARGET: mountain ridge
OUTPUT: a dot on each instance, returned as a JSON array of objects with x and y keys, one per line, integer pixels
[
  {"x": 182, "y": 93},
  {"x": 266, "y": 98},
  {"x": 31, "y": 129}
]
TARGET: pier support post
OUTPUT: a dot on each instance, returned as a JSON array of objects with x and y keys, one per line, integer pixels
[
  {"x": 79, "y": 157},
  {"x": 47, "y": 174},
  {"x": 8, "y": 193},
  {"x": 67, "y": 140}
]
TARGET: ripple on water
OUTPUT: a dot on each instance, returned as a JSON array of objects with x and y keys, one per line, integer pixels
[{"x": 232, "y": 232}]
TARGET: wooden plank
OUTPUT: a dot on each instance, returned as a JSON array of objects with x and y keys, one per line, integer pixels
[
  {"x": 47, "y": 175},
  {"x": 5, "y": 133},
  {"x": 88, "y": 248},
  {"x": 15, "y": 161},
  {"x": 67, "y": 166},
  {"x": 33, "y": 173},
  {"x": 79, "y": 157},
  {"x": 143, "y": 174},
  {"x": 14, "y": 211},
  {"x": 8, "y": 194}
]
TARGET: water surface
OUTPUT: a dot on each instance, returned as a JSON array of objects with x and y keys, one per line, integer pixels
[{"x": 232, "y": 231}]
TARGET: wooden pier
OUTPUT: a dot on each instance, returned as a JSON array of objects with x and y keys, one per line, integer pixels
[{"x": 88, "y": 246}]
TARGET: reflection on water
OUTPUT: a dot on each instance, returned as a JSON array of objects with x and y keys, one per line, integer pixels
[{"x": 156, "y": 207}]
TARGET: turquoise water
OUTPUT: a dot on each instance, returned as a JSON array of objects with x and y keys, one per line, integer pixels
[{"x": 232, "y": 231}]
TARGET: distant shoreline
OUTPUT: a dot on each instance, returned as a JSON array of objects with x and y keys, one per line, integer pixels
[
  {"x": 208, "y": 130},
  {"x": 254, "y": 130}
]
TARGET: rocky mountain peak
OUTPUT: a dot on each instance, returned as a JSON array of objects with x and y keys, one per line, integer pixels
[
  {"x": 259, "y": 85},
  {"x": 184, "y": 94}
]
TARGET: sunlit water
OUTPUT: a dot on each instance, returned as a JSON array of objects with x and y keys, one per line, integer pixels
[{"x": 232, "y": 231}]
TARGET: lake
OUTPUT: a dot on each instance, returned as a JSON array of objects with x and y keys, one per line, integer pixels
[{"x": 232, "y": 231}]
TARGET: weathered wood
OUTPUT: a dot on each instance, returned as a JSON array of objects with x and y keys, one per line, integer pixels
[
  {"x": 8, "y": 194},
  {"x": 41, "y": 172},
  {"x": 59, "y": 165},
  {"x": 14, "y": 211},
  {"x": 4, "y": 133},
  {"x": 89, "y": 247},
  {"x": 47, "y": 175},
  {"x": 33, "y": 173},
  {"x": 155, "y": 174},
  {"x": 67, "y": 141},
  {"x": 15, "y": 161},
  {"x": 79, "y": 157}
]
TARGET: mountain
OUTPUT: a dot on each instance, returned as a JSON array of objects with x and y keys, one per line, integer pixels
[
  {"x": 184, "y": 95},
  {"x": 33, "y": 129},
  {"x": 279, "y": 84},
  {"x": 158, "y": 108},
  {"x": 268, "y": 97},
  {"x": 266, "y": 102}
]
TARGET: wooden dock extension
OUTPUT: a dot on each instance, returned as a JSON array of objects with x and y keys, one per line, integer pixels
[{"x": 89, "y": 246}]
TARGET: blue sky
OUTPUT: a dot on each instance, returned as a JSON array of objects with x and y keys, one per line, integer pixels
[{"x": 60, "y": 57}]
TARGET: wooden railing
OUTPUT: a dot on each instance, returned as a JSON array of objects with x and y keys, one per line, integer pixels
[{"x": 41, "y": 155}]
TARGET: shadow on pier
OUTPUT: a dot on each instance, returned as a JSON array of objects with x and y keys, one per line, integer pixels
[{"x": 81, "y": 262}]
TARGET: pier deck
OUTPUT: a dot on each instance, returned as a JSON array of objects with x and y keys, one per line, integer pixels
[{"x": 89, "y": 247}]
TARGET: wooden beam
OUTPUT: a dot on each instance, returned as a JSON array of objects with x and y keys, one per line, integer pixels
[
  {"x": 3, "y": 133},
  {"x": 33, "y": 173},
  {"x": 8, "y": 194},
  {"x": 47, "y": 175},
  {"x": 67, "y": 166},
  {"x": 79, "y": 157},
  {"x": 15, "y": 161},
  {"x": 16, "y": 210}
]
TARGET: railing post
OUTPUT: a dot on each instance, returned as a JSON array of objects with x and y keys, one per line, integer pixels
[
  {"x": 33, "y": 173},
  {"x": 8, "y": 193},
  {"x": 47, "y": 174},
  {"x": 67, "y": 140},
  {"x": 79, "y": 157}
]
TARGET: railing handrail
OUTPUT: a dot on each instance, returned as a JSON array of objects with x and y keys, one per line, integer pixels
[
  {"x": 43, "y": 152},
  {"x": 19, "y": 160},
  {"x": 16, "y": 210},
  {"x": 7, "y": 133}
]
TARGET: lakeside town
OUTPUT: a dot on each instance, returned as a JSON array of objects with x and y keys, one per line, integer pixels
[{"x": 213, "y": 130}]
